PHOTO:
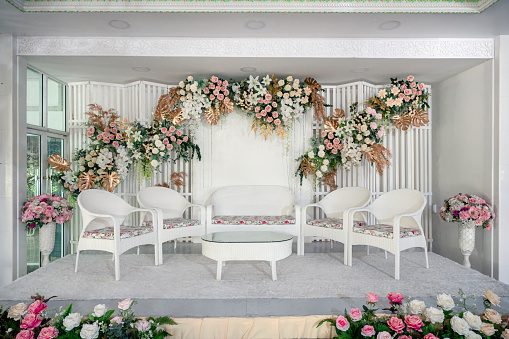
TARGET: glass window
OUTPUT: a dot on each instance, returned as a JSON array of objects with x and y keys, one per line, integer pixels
[
  {"x": 34, "y": 97},
  {"x": 56, "y": 105},
  {"x": 33, "y": 165}
]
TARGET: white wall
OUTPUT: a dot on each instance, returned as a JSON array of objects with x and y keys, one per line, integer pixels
[{"x": 462, "y": 155}]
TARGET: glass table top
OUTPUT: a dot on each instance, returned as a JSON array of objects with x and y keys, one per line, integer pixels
[{"x": 246, "y": 237}]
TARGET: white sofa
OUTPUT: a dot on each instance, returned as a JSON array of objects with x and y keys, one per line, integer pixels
[{"x": 254, "y": 208}]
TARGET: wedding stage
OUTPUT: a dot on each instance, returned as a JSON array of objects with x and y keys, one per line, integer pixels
[{"x": 185, "y": 286}]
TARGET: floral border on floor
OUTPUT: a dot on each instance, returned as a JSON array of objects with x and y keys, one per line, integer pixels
[
  {"x": 414, "y": 320},
  {"x": 22, "y": 321}
]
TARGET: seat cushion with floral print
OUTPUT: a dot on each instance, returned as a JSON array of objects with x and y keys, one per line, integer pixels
[
  {"x": 329, "y": 223},
  {"x": 125, "y": 232},
  {"x": 177, "y": 223},
  {"x": 385, "y": 231},
  {"x": 253, "y": 220}
]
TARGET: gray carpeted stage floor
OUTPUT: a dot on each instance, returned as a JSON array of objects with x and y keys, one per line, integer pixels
[{"x": 317, "y": 283}]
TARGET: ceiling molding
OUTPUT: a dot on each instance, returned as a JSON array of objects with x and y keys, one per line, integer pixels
[
  {"x": 298, "y": 6},
  {"x": 258, "y": 47}
]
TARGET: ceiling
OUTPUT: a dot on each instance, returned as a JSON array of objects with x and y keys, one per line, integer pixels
[{"x": 488, "y": 24}]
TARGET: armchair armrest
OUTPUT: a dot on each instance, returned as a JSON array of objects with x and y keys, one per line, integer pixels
[{"x": 203, "y": 214}]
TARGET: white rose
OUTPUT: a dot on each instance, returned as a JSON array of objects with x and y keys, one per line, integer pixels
[
  {"x": 319, "y": 174},
  {"x": 321, "y": 147},
  {"x": 311, "y": 155},
  {"x": 321, "y": 154},
  {"x": 324, "y": 168},
  {"x": 89, "y": 331},
  {"x": 492, "y": 316},
  {"x": 82, "y": 169},
  {"x": 16, "y": 311},
  {"x": 325, "y": 161},
  {"x": 459, "y": 325},
  {"x": 158, "y": 143},
  {"x": 155, "y": 150},
  {"x": 445, "y": 301},
  {"x": 182, "y": 84},
  {"x": 156, "y": 137},
  {"x": 296, "y": 81},
  {"x": 289, "y": 78},
  {"x": 190, "y": 78},
  {"x": 434, "y": 315},
  {"x": 99, "y": 310},
  {"x": 505, "y": 334},
  {"x": 154, "y": 163},
  {"x": 472, "y": 335},
  {"x": 417, "y": 307},
  {"x": 71, "y": 321},
  {"x": 474, "y": 321}
]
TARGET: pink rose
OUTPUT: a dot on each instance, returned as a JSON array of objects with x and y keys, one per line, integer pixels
[
  {"x": 324, "y": 134},
  {"x": 206, "y": 90},
  {"x": 414, "y": 322},
  {"x": 179, "y": 142},
  {"x": 401, "y": 95},
  {"x": 395, "y": 298},
  {"x": 216, "y": 92},
  {"x": 405, "y": 337},
  {"x": 114, "y": 130},
  {"x": 91, "y": 129},
  {"x": 117, "y": 320},
  {"x": 225, "y": 82},
  {"x": 106, "y": 130},
  {"x": 169, "y": 147},
  {"x": 214, "y": 79},
  {"x": 48, "y": 333},
  {"x": 30, "y": 321},
  {"x": 90, "y": 134},
  {"x": 168, "y": 133},
  {"x": 172, "y": 129},
  {"x": 164, "y": 130},
  {"x": 220, "y": 97},
  {"x": 258, "y": 115},
  {"x": 368, "y": 331},
  {"x": 372, "y": 298},
  {"x": 355, "y": 314},
  {"x": 185, "y": 138},
  {"x": 219, "y": 82},
  {"x": 119, "y": 136},
  {"x": 403, "y": 87},
  {"x": 413, "y": 84},
  {"x": 342, "y": 323},
  {"x": 334, "y": 151},
  {"x": 373, "y": 125},
  {"x": 212, "y": 86},
  {"x": 269, "y": 119},
  {"x": 408, "y": 91},
  {"x": 212, "y": 97},
  {"x": 384, "y": 335},
  {"x": 336, "y": 141},
  {"x": 125, "y": 304},
  {"x": 257, "y": 109},
  {"x": 275, "y": 114},
  {"x": 166, "y": 141},
  {"x": 378, "y": 116},
  {"x": 330, "y": 135},
  {"x": 277, "y": 122},
  {"x": 226, "y": 100},
  {"x": 396, "y": 324},
  {"x": 106, "y": 140},
  {"x": 407, "y": 99},
  {"x": 179, "y": 133},
  {"x": 414, "y": 90},
  {"x": 268, "y": 108},
  {"x": 266, "y": 102},
  {"x": 419, "y": 92},
  {"x": 430, "y": 336},
  {"x": 38, "y": 306},
  {"x": 142, "y": 325},
  {"x": 173, "y": 139},
  {"x": 99, "y": 136},
  {"x": 268, "y": 96},
  {"x": 115, "y": 144},
  {"x": 274, "y": 104},
  {"x": 25, "y": 334},
  {"x": 410, "y": 78},
  {"x": 421, "y": 86},
  {"x": 263, "y": 113}
]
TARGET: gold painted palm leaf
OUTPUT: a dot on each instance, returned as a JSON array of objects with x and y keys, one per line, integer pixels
[
  {"x": 58, "y": 163},
  {"x": 110, "y": 181},
  {"x": 86, "y": 181}
]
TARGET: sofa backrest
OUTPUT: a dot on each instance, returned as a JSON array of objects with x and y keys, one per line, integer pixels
[{"x": 253, "y": 200}]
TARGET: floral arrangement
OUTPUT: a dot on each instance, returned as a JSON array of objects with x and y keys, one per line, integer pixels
[
  {"x": 22, "y": 321},
  {"x": 403, "y": 102},
  {"x": 193, "y": 99},
  {"x": 467, "y": 208},
  {"x": 45, "y": 208},
  {"x": 415, "y": 320}
]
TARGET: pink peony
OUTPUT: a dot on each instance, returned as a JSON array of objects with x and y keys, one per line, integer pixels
[
  {"x": 430, "y": 336},
  {"x": 384, "y": 335},
  {"x": 30, "y": 321},
  {"x": 125, "y": 304},
  {"x": 414, "y": 322},
  {"x": 37, "y": 307},
  {"x": 396, "y": 324},
  {"x": 48, "y": 333},
  {"x": 342, "y": 323},
  {"x": 368, "y": 331},
  {"x": 25, "y": 334},
  {"x": 372, "y": 298},
  {"x": 355, "y": 314},
  {"x": 395, "y": 298}
]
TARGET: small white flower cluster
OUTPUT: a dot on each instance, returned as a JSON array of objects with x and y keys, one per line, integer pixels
[
  {"x": 293, "y": 98},
  {"x": 351, "y": 153},
  {"x": 193, "y": 100},
  {"x": 257, "y": 90}
]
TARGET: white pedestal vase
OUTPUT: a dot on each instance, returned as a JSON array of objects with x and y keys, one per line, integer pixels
[
  {"x": 467, "y": 240},
  {"x": 47, "y": 241}
]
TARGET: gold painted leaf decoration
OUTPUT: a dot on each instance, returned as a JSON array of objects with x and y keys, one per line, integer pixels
[
  {"x": 226, "y": 108},
  {"x": 274, "y": 86},
  {"x": 102, "y": 118},
  {"x": 332, "y": 124},
  {"x": 317, "y": 99},
  {"x": 58, "y": 163},
  {"x": 177, "y": 179},
  {"x": 164, "y": 184},
  {"x": 86, "y": 181},
  {"x": 212, "y": 115},
  {"x": 307, "y": 167},
  {"x": 167, "y": 107},
  {"x": 419, "y": 118},
  {"x": 109, "y": 181},
  {"x": 402, "y": 122},
  {"x": 379, "y": 155},
  {"x": 329, "y": 179},
  {"x": 281, "y": 131}
]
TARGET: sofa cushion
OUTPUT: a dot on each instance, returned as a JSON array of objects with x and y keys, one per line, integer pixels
[
  {"x": 329, "y": 223},
  {"x": 125, "y": 232},
  {"x": 253, "y": 220},
  {"x": 177, "y": 223},
  {"x": 385, "y": 231}
]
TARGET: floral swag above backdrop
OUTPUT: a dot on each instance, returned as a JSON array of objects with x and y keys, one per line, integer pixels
[{"x": 115, "y": 146}]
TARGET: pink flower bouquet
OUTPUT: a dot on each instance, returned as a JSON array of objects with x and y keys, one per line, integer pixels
[
  {"x": 45, "y": 208},
  {"x": 467, "y": 207}
]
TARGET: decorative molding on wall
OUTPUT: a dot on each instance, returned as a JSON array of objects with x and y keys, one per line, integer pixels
[
  {"x": 348, "y": 6},
  {"x": 256, "y": 47}
]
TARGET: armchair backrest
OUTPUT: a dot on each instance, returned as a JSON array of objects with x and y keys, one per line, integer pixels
[
  {"x": 338, "y": 201},
  {"x": 253, "y": 200},
  {"x": 169, "y": 201},
  {"x": 401, "y": 201}
]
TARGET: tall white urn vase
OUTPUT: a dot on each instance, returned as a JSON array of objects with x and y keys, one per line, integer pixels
[
  {"x": 467, "y": 240},
  {"x": 47, "y": 241}
]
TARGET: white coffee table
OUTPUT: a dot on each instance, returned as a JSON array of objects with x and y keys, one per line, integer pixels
[{"x": 240, "y": 245}]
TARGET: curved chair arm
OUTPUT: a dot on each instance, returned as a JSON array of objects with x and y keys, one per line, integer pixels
[
  {"x": 203, "y": 214},
  {"x": 297, "y": 213},
  {"x": 209, "y": 209},
  {"x": 304, "y": 209}
]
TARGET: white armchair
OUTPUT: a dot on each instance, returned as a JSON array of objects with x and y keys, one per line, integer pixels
[
  {"x": 397, "y": 212},
  {"x": 336, "y": 206},
  {"x": 171, "y": 205},
  {"x": 103, "y": 214}
]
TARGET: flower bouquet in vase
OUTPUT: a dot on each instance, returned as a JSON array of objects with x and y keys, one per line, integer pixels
[
  {"x": 471, "y": 211},
  {"x": 45, "y": 211}
]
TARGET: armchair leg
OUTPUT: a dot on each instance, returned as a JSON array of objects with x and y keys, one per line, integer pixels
[
  {"x": 385, "y": 254},
  {"x": 350, "y": 255},
  {"x": 301, "y": 241},
  {"x": 117, "y": 266},
  {"x": 345, "y": 254},
  {"x": 396, "y": 264},
  {"x": 299, "y": 248},
  {"x": 426, "y": 254},
  {"x": 175, "y": 244},
  {"x": 160, "y": 253},
  {"x": 78, "y": 257}
]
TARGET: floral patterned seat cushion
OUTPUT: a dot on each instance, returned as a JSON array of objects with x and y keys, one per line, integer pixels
[
  {"x": 125, "y": 232},
  {"x": 329, "y": 223},
  {"x": 385, "y": 231},
  {"x": 177, "y": 223},
  {"x": 253, "y": 220}
]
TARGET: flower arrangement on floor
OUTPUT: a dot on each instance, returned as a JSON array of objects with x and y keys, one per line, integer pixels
[
  {"x": 415, "y": 320},
  {"x": 403, "y": 102},
  {"x": 44, "y": 209},
  {"x": 22, "y": 321},
  {"x": 468, "y": 208}
]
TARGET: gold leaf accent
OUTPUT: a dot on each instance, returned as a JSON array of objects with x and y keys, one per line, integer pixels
[
  {"x": 281, "y": 131},
  {"x": 177, "y": 179},
  {"x": 164, "y": 184},
  {"x": 176, "y": 116},
  {"x": 212, "y": 115},
  {"x": 313, "y": 84},
  {"x": 226, "y": 108},
  {"x": 166, "y": 107},
  {"x": 86, "y": 181},
  {"x": 274, "y": 86},
  {"x": 332, "y": 123},
  {"x": 402, "y": 122},
  {"x": 58, "y": 163},
  {"x": 109, "y": 181},
  {"x": 419, "y": 118},
  {"x": 265, "y": 131},
  {"x": 378, "y": 155},
  {"x": 307, "y": 167},
  {"x": 317, "y": 99},
  {"x": 101, "y": 118},
  {"x": 329, "y": 179},
  {"x": 376, "y": 103}
]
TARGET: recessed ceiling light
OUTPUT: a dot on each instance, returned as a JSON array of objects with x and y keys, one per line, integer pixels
[
  {"x": 389, "y": 25},
  {"x": 359, "y": 70},
  {"x": 248, "y": 69},
  {"x": 119, "y": 24},
  {"x": 255, "y": 24},
  {"x": 141, "y": 69}
]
